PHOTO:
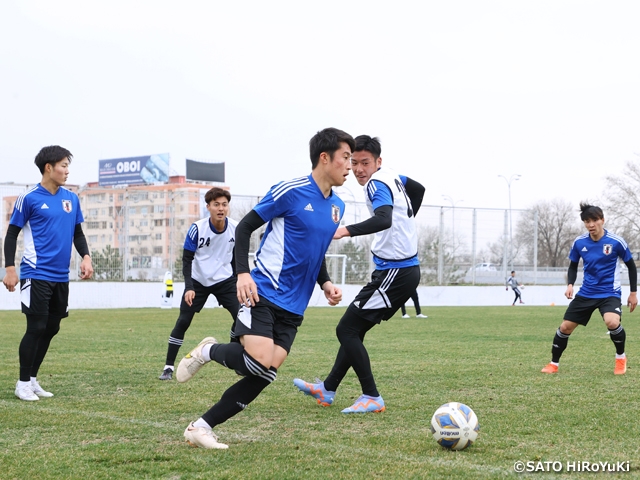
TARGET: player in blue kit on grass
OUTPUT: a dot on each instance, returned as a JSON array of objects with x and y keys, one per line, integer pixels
[
  {"x": 393, "y": 202},
  {"x": 207, "y": 265},
  {"x": 599, "y": 250},
  {"x": 50, "y": 218},
  {"x": 302, "y": 216}
]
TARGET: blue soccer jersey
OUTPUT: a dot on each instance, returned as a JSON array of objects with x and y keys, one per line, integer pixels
[
  {"x": 301, "y": 225},
  {"x": 48, "y": 223},
  {"x": 601, "y": 265}
]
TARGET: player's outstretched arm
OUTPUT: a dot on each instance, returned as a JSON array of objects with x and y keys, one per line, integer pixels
[{"x": 381, "y": 220}]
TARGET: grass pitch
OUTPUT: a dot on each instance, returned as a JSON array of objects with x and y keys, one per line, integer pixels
[{"x": 112, "y": 418}]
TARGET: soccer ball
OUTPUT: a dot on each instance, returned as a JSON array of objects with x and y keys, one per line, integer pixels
[
  {"x": 454, "y": 426},
  {"x": 522, "y": 287}
]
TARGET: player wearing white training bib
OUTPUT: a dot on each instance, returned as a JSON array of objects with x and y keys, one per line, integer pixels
[
  {"x": 396, "y": 246},
  {"x": 207, "y": 265},
  {"x": 393, "y": 201},
  {"x": 213, "y": 250}
]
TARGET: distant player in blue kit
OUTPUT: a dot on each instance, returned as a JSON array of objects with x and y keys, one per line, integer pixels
[
  {"x": 50, "y": 218},
  {"x": 599, "y": 250},
  {"x": 208, "y": 268},
  {"x": 393, "y": 202},
  {"x": 302, "y": 216}
]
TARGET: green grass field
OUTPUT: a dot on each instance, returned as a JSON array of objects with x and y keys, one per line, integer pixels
[{"x": 112, "y": 418}]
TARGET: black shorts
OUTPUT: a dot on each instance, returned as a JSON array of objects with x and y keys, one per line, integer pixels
[
  {"x": 387, "y": 291},
  {"x": 41, "y": 297},
  {"x": 266, "y": 319},
  {"x": 224, "y": 291},
  {"x": 581, "y": 308}
]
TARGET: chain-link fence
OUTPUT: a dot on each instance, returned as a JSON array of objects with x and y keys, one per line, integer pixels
[{"x": 137, "y": 234}]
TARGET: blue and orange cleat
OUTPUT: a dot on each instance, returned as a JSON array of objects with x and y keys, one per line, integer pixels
[
  {"x": 365, "y": 404},
  {"x": 316, "y": 390}
]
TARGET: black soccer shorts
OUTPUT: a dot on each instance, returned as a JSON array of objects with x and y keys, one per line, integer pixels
[
  {"x": 41, "y": 297},
  {"x": 580, "y": 309},
  {"x": 265, "y": 319},
  {"x": 387, "y": 291},
  {"x": 224, "y": 291}
]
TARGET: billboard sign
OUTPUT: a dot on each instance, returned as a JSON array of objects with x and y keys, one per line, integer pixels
[
  {"x": 204, "y": 171},
  {"x": 134, "y": 170}
]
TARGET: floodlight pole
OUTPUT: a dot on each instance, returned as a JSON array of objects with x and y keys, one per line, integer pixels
[{"x": 453, "y": 215}]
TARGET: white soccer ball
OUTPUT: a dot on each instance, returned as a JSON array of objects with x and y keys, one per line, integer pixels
[
  {"x": 522, "y": 287},
  {"x": 455, "y": 426}
]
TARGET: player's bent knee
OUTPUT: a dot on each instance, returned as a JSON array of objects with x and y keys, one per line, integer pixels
[
  {"x": 612, "y": 322},
  {"x": 567, "y": 327}
]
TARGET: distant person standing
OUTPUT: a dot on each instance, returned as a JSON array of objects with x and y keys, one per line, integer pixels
[
  {"x": 513, "y": 282},
  {"x": 599, "y": 250},
  {"x": 208, "y": 269},
  {"x": 51, "y": 218},
  {"x": 416, "y": 303}
]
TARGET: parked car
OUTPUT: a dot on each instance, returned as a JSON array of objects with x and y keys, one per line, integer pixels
[{"x": 485, "y": 267}]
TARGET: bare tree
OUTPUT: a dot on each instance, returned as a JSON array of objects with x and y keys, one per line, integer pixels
[
  {"x": 622, "y": 203},
  {"x": 558, "y": 224},
  {"x": 429, "y": 245}
]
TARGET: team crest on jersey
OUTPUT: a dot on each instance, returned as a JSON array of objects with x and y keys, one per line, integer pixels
[
  {"x": 66, "y": 206},
  {"x": 607, "y": 249},
  {"x": 335, "y": 213}
]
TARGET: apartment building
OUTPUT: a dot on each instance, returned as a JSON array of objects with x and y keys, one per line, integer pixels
[{"x": 134, "y": 232}]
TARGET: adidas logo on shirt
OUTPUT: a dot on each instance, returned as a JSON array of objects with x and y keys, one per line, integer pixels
[
  {"x": 309, "y": 208},
  {"x": 44, "y": 205},
  {"x": 584, "y": 249}
]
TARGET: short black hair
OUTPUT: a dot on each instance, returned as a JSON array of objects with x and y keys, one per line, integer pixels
[
  {"x": 328, "y": 140},
  {"x": 216, "y": 192},
  {"x": 590, "y": 212},
  {"x": 52, "y": 154},
  {"x": 368, "y": 144},
  {"x": 513, "y": 271}
]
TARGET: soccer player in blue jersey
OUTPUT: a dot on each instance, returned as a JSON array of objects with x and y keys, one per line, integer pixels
[
  {"x": 50, "y": 218},
  {"x": 599, "y": 250},
  {"x": 302, "y": 216},
  {"x": 393, "y": 202},
  {"x": 208, "y": 268}
]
